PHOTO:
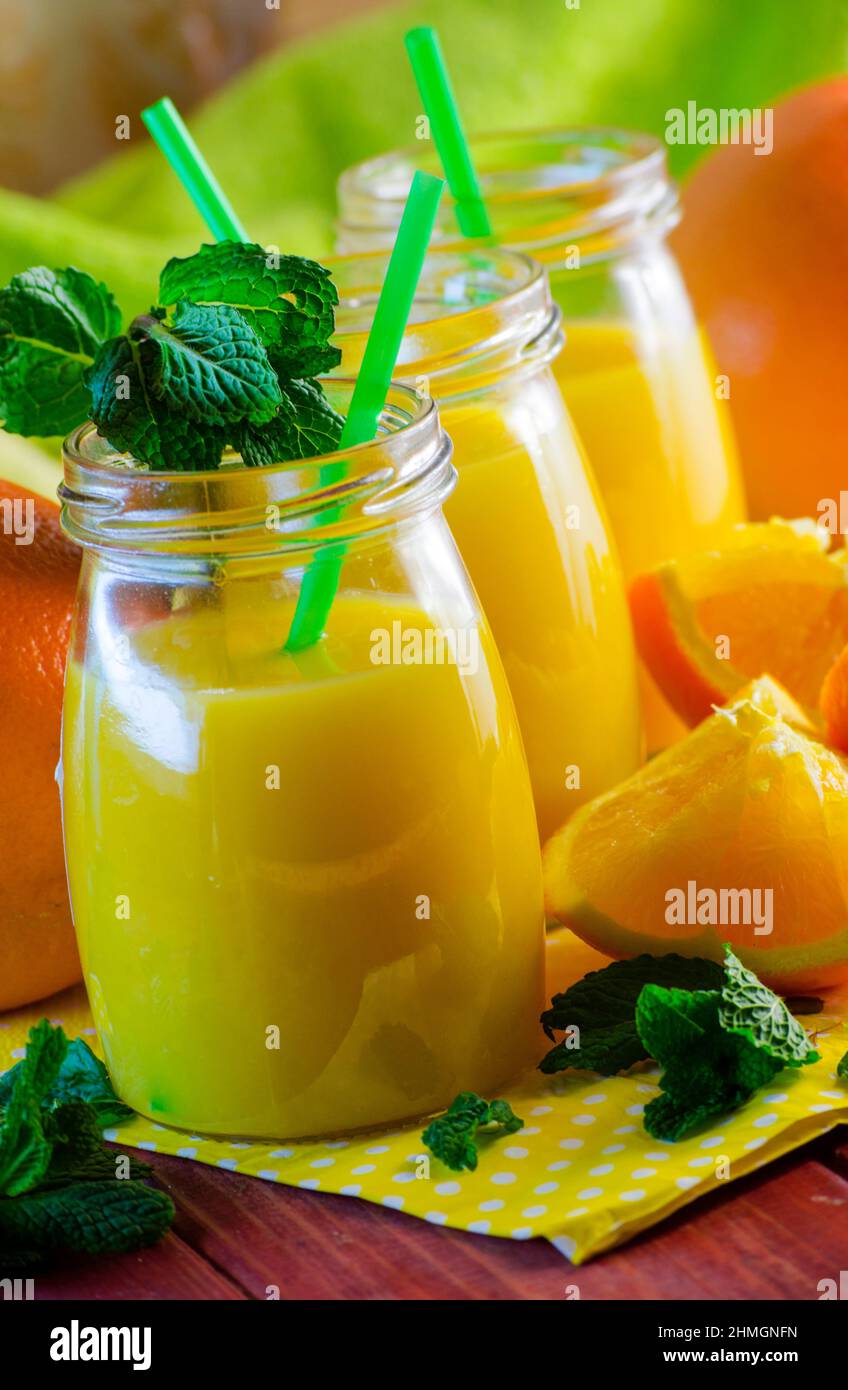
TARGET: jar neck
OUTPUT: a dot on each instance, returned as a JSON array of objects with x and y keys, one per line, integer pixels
[
  {"x": 478, "y": 316},
  {"x": 111, "y": 505},
  {"x": 569, "y": 197}
]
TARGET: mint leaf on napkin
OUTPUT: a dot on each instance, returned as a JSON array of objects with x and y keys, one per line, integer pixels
[
  {"x": 599, "y": 1011},
  {"x": 749, "y": 1008},
  {"x": 718, "y": 1032},
  {"x": 707, "y": 1070},
  {"x": 451, "y": 1136},
  {"x": 24, "y": 1149},
  {"x": 81, "y": 1076}
]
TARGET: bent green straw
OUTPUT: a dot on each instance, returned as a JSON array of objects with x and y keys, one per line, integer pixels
[
  {"x": 434, "y": 85},
  {"x": 168, "y": 129},
  {"x": 369, "y": 393}
]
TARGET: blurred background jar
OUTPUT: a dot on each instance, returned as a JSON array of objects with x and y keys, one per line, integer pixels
[
  {"x": 483, "y": 337},
  {"x": 594, "y": 207}
]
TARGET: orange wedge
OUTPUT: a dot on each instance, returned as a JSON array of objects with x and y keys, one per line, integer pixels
[
  {"x": 774, "y": 598},
  {"x": 737, "y": 833},
  {"x": 833, "y": 702}
]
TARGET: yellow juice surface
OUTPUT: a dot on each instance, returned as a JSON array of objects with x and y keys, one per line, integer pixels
[
  {"x": 306, "y": 888},
  {"x": 661, "y": 449},
  {"x": 530, "y": 525}
]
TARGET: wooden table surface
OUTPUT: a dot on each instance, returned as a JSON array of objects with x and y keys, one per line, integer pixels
[{"x": 773, "y": 1235}]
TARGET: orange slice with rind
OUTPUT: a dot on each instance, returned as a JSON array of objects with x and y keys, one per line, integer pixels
[
  {"x": 773, "y": 598},
  {"x": 737, "y": 833}
]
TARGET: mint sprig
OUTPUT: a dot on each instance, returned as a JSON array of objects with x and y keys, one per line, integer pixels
[
  {"x": 304, "y": 425},
  {"x": 136, "y": 421},
  {"x": 717, "y": 1031},
  {"x": 59, "y": 1188},
  {"x": 708, "y": 1070},
  {"x": 176, "y": 386},
  {"x": 598, "y": 1013},
  {"x": 208, "y": 361},
  {"x": 52, "y": 323},
  {"x": 451, "y": 1137},
  {"x": 80, "y": 1076},
  {"x": 289, "y": 301},
  {"x": 227, "y": 362},
  {"x": 751, "y": 1009}
]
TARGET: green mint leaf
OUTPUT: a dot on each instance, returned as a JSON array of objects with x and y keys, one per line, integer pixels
[
  {"x": 451, "y": 1136},
  {"x": 132, "y": 418},
  {"x": 59, "y": 1185},
  {"x": 290, "y": 301},
  {"x": 93, "y": 1218},
  {"x": 79, "y": 1154},
  {"x": 51, "y": 324},
  {"x": 601, "y": 1008},
  {"x": 305, "y": 425},
  {"x": 501, "y": 1113},
  {"x": 81, "y": 1076},
  {"x": 707, "y": 1071},
  {"x": 207, "y": 361},
  {"x": 750, "y": 1009},
  {"x": 25, "y": 1150},
  {"x": 842, "y": 1068}
]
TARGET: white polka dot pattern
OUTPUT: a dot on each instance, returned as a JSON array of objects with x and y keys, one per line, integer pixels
[{"x": 582, "y": 1171}]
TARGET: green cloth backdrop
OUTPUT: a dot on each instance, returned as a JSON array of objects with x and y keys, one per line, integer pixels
[{"x": 280, "y": 134}]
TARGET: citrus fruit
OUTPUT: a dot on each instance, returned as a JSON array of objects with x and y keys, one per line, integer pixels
[
  {"x": 38, "y": 576},
  {"x": 833, "y": 702},
  {"x": 737, "y": 833},
  {"x": 28, "y": 466},
  {"x": 755, "y": 229},
  {"x": 773, "y": 598}
]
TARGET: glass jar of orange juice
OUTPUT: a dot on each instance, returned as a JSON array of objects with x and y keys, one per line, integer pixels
[
  {"x": 306, "y": 885},
  {"x": 526, "y": 513},
  {"x": 594, "y": 207}
]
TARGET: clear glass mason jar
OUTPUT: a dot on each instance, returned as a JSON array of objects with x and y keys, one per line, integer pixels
[
  {"x": 594, "y": 207},
  {"x": 306, "y": 886},
  {"x": 526, "y": 513}
]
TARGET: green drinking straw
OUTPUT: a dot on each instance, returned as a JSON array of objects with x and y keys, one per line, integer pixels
[
  {"x": 431, "y": 74},
  {"x": 169, "y": 130},
  {"x": 369, "y": 393},
  {"x": 381, "y": 351}
]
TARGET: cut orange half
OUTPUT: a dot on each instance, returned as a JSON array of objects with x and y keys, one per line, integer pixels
[
  {"x": 774, "y": 598},
  {"x": 737, "y": 833}
]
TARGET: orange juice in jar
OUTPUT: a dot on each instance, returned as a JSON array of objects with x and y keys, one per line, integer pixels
[
  {"x": 594, "y": 206},
  {"x": 306, "y": 885},
  {"x": 482, "y": 338}
]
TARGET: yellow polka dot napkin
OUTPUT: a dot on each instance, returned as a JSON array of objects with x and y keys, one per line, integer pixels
[{"x": 582, "y": 1172}]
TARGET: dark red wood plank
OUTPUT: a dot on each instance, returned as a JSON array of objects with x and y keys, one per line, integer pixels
[
  {"x": 834, "y": 1150},
  {"x": 769, "y": 1236},
  {"x": 170, "y": 1269}
]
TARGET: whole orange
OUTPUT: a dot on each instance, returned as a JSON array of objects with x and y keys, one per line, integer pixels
[
  {"x": 764, "y": 248},
  {"x": 38, "y": 578}
]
